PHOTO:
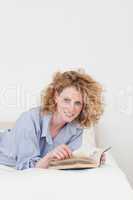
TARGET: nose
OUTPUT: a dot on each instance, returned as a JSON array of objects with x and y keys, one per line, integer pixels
[{"x": 72, "y": 108}]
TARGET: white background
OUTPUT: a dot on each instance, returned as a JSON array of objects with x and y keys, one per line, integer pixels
[{"x": 39, "y": 37}]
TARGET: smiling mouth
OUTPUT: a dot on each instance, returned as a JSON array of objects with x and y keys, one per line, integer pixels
[{"x": 68, "y": 115}]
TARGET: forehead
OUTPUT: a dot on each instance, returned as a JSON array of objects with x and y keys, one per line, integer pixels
[{"x": 71, "y": 92}]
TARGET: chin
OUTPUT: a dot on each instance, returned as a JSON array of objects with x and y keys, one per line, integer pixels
[{"x": 68, "y": 120}]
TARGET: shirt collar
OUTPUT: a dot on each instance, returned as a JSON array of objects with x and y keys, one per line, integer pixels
[
  {"x": 75, "y": 125},
  {"x": 45, "y": 127}
]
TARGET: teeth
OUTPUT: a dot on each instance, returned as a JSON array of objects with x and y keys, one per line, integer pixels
[{"x": 67, "y": 114}]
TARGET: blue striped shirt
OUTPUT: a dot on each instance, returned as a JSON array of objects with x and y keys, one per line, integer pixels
[{"x": 30, "y": 139}]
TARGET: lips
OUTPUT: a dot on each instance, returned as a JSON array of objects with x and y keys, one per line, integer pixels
[{"x": 68, "y": 114}]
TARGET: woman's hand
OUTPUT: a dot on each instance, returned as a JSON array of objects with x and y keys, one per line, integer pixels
[
  {"x": 103, "y": 158},
  {"x": 60, "y": 152}
]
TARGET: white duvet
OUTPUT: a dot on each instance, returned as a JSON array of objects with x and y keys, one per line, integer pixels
[{"x": 105, "y": 183}]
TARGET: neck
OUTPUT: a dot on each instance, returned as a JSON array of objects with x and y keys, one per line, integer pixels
[
  {"x": 56, "y": 121},
  {"x": 56, "y": 124}
]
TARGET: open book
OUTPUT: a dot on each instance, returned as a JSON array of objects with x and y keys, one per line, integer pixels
[{"x": 80, "y": 161}]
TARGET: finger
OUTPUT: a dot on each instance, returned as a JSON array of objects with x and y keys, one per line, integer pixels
[
  {"x": 55, "y": 155},
  {"x": 103, "y": 160},
  {"x": 67, "y": 149},
  {"x": 104, "y": 157},
  {"x": 60, "y": 155},
  {"x": 65, "y": 153}
]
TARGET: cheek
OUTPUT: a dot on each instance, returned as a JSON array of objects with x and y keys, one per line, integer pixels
[
  {"x": 60, "y": 106},
  {"x": 78, "y": 110}
]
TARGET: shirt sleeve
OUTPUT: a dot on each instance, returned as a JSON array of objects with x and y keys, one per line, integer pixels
[
  {"x": 27, "y": 150},
  {"x": 76, "y": 140}
]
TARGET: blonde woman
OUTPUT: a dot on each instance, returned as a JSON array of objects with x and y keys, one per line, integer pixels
[{"x": 70, "y": 103}]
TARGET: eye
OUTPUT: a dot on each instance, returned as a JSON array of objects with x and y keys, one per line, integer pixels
[
  {"x": 78, "y": 103},
  {"x": 67, "y": 100}
]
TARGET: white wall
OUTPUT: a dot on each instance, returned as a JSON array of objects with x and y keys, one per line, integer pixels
[{"x": 38, "y": 37}]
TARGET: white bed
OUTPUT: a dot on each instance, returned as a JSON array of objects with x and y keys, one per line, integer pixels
[{"x": 105, "y": 183}]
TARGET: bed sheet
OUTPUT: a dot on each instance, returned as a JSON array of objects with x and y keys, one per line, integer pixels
[{"x": 107, "y": 182}]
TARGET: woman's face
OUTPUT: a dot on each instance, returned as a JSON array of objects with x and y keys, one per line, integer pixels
[{"x": 69, "y": 104}]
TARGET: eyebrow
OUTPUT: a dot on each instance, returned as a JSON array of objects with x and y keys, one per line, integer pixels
[{"x": 75, "y": 101}]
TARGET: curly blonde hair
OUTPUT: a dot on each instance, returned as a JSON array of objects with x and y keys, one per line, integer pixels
[{"x": 90, "y": 90}]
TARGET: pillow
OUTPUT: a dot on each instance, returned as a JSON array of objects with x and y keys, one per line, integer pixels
[
  {"x": 89, "y": 137},
  {"x": 6, "y": 125},
  {"x": 4, "y": 130},
  {"x": 88, "y": 143}
]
